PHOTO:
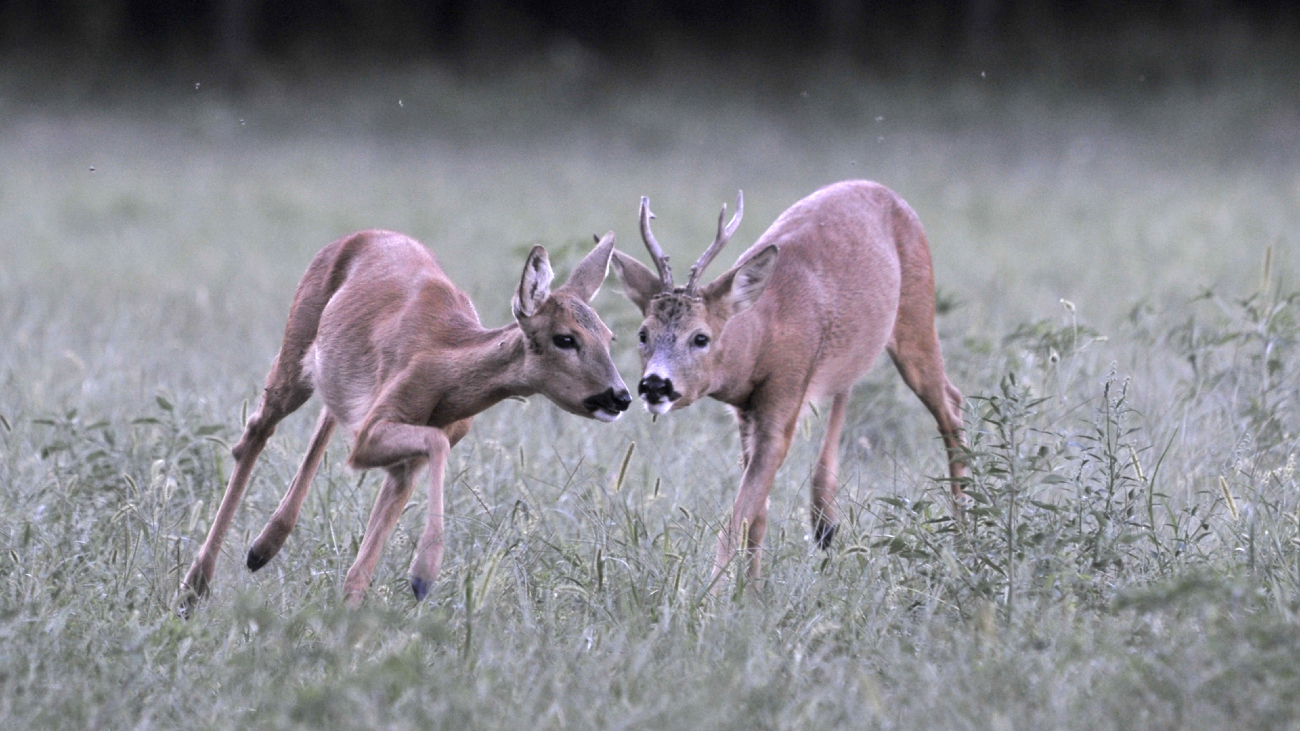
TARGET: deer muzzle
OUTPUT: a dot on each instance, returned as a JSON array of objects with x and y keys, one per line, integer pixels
[
  {"x": 608, "y": 404},
  {"x": 656, "y": 389}
]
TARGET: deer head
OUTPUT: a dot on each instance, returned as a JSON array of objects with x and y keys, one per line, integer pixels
[
  {"x": 567, "y": 346},
  {"x": 680, "y": 357}
]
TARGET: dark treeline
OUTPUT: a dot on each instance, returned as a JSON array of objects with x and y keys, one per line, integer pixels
[{"x": 239, "y": 32}]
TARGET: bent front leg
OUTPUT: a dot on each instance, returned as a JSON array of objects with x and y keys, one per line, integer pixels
[
  {"x": 400, "y": 448},
  {"x": 392, "y": 498},
  {"x": 428, "y": 553}
]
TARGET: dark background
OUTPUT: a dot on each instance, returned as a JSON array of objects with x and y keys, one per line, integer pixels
[{"x": 1086, "y": 42}]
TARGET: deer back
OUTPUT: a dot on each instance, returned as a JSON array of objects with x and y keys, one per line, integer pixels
[{"x": 398, "y": 340}]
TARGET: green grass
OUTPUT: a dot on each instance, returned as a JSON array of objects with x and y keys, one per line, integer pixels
[{"x": 1132, "y": 561}]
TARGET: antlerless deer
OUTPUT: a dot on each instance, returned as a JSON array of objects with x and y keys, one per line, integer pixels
[
  {"x": 400, "y": 359},
  {"x": 839, "y": 277}
]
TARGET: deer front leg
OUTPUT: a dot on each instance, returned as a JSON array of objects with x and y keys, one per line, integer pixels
[
  {"x": 400, "y": 448},
  {"x": 392, "y": 498},
  {"x": 428, "y": 553},
  {"x": 745, "y": 421},
  {"x": 770, "y": 440}
]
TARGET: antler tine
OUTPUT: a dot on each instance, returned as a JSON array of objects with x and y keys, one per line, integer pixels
[
  {"x": 719, "y": 241},
  {"x": 656, "y": 253}
]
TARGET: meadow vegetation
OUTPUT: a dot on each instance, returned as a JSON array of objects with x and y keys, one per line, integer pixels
[{"x": 1118, "y": 287}]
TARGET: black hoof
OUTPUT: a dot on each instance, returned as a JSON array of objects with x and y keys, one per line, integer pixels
[
  {"x": 824, "y": 534},
  {"x": 256, "y": 560},
  {"x": 420, "y": 587},
  {"x": 193, "y": 588},
  {"x": 188, "y": 601}
]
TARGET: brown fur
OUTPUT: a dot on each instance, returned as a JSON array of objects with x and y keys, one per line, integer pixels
[
  {"x": 841, "y": 276},
  {"x": 400, "y": 359}
]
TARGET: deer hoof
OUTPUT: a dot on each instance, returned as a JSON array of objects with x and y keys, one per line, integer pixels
[
  {"x": 187, "y": 603},
  {"x": 192, "y": 589},
  {"x": 257, "y": 560},
  {"x": 824, "y": 534},
  {"x": 420, "y": 587}
]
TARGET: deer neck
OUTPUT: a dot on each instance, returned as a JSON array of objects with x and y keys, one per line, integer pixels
[
  {"x": 487, "y": 370},
  {"x": 499, "y": 364},
  {"x": 736, "y": 374}
]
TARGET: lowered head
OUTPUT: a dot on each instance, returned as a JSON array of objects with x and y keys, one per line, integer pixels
[{"x": 567, "y": 358}]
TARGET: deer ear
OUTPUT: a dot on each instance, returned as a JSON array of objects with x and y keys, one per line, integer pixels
[
  {"x": 742, "y": 286},
  {"x": 591, "y": 271},
  {"x": 639, "y": 283},
  {"x": 534, "y": 285}
]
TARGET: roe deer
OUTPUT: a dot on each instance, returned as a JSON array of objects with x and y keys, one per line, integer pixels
[
  {"x": 400, "y": 359},
  {"x": 840, "y": 276}
]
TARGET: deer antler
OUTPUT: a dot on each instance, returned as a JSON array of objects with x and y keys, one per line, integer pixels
[
  {"x": 719, "y": 241},
  {"x": 656, "y": 253}
]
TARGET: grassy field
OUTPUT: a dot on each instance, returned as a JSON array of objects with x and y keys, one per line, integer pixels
[{"x": 1118, "y": 273}]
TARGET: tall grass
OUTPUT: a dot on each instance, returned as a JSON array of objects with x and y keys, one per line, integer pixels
[{"x": 1131, "y": 558}]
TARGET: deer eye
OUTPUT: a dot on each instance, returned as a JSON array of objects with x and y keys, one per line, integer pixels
[
  {"x": 564, "y": 342},
  {"x": 643, "y": 336},
  {"x": 700, "y": 340}
]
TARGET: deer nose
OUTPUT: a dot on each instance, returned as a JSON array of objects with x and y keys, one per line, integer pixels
[
  {"x": 654, "y": 388},
  {"x": 609, "y": 400},
  {"x": 622, "y": 399}
]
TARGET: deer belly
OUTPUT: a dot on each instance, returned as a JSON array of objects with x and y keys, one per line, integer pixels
[
  {"x": 345, "y": 385},
  {"x": 846, "y": 355}
]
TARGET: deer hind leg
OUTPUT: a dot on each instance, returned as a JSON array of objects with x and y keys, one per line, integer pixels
[
  {"x": 767, "y": 444},
  {"x": 286, "y": 391},
  {"x": 281, "y": 524},
  {"x": 915, "y": 351},
  {"x": 825, "y": 480}
]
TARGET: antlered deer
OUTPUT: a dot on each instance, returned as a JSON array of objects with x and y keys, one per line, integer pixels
[
  {"x": 400, "y": 359},
  {"x": 842, "y": 275}
]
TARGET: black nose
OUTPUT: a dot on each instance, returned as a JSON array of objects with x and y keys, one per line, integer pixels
[
  {"x": 609, "y": 400},
  {"x": 654, "y": 389},
  {"x": 622, "y": 400}
]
